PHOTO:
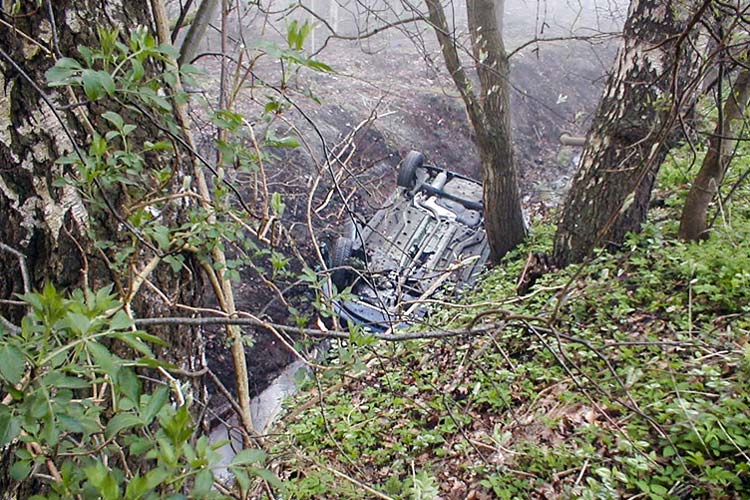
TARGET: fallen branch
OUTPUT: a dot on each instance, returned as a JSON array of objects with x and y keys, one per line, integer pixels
[
  {"x": 516, "y": 320},
  {"x": 312, "y": 332}
]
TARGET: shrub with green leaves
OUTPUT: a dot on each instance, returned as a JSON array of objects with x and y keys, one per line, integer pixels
[
  {"x": 78, "y": 420},
  {"x": 645, "y": 393}
]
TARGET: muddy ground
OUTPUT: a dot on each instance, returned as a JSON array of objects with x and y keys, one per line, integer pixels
[{"x": 555, "y": 88}]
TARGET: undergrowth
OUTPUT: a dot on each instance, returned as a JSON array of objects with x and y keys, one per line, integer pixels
[{"x": 627, "y": 377}]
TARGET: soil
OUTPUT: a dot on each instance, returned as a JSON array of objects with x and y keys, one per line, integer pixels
[{"x": 555, "y": 89}]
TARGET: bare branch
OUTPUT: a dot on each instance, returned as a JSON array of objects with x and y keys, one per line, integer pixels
[
  {"x": 15, "y": 330},
  {"x": 21, "y": 263},
  {"x": 508, "y": 318},
  {"x": 452, "y": 61},
  {"x": 599, "y": 37}
]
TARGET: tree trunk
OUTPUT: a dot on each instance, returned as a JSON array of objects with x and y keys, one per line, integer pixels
[
  {"x": 500, "y": 15},
  {"x": 489, "y": 115},
  {"x": 502, "y": 202},
  {"x": 634, "y": 127},
  {"x": 204, "y": 15},
  {"x": 54, "y": 226},
  {"x": 693, "y": 224}
]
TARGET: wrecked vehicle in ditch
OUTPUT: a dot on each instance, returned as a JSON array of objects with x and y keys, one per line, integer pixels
[{"x": 428, "y": 237}]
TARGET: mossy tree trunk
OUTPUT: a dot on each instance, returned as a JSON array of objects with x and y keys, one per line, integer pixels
[
  {"x": 636, "y": 123},
  {"x": 489, "y": 114},
  {"x": 693, "y": 223},
  {"x": 54, "y": 226}
]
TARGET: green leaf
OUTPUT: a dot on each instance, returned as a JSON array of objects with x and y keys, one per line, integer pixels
[
  {"x": 39, "y": 406},
  {"x": 131, "y": 339},
  {"x": 137, "y": 72},
  {"x": 20, "y": 470},
  {"x": 152, "y": 339},
  {"x": 70, "y": 424},
  {"x": 136, "y": 487},
  {"x": 120, "y": 321},
  {"x": 277, "y": 205},
  {"x": 272, "y": 107},
  {"x": 658, "y": 489},
  {"x": 249, "y": 456},
  {"x": 115, "y": 119},
  {"x": 155, "y": 403},
  {"x": 60, "y": 381},
  {"x": 98, "y": 146},
  {"x": 243, "y": 479},
  {"x": 176, "y": 262},
  {"x": 269, "y": 476},
  {"x": 155, "y": 363},
  {"x": 62, "y": 73},
  {"x": 204, "y": 480},
  {"x": 160, "y": 234},
  {"x": 107, "y": 39},
  {"x": 78, "y": 322},
  {"x": 152, "y": 98},
  {"x": 157, "y": 146},
  {"x": 120, "y": 422},
  {"x": 227, "y": 119},
  {"x": 156, "y": 477},
  {"x": 189, "y": 69},
  {"x": 320, "y": 66},
  {"x": 34, "y": 300},
  {"x": 12, "y": 364},
  {"x": 50, "y": 432},
  {"x": 106, "y": 81},
  {"x": 73, "y": 383},
  {"x": 168, "y": 50},
  {"x": 109, "y": 363},
  {"x": 10, "y": 427},
  {"x": 71, "y": 159},
  {"x": 109, "y": 488},
  {"x": 139, "y": 446},
  {"x": 129, "y": 384},
  {"x": 166, "y": 451},
  {"x": 281, "y": 142},
  {"x": 91, "y": 84}
]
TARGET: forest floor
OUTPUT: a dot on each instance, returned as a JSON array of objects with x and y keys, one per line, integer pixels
[{"x": 625, "y": 377}]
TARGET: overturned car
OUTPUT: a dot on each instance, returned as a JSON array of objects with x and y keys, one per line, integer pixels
[{"x": 429, "y": 234}]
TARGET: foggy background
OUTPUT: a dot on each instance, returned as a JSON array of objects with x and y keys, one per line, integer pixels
[{"x": 399, "y": 75}]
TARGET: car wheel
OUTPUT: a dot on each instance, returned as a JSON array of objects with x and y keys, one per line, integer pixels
[
  {"x": 407, "y": 173},
  {"x": 340, "y": 253}
]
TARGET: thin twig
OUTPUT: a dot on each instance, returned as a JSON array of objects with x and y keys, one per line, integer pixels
[{"x": 22, "y": 263}]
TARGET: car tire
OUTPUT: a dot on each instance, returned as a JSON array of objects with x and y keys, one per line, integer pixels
[
  {"x": 340, "y": 253},
  {"x": 407, "y": 172}
]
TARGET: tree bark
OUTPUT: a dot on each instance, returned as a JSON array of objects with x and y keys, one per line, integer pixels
[
  {"x": 504, "y": 217},
  {"x": 205, "y": 14},
  {"x": 54, "y": 227},
  {"x": 653, "y": 82},
  {"x": 693, "y": 223},
  {"x": 489, "y": 114}
]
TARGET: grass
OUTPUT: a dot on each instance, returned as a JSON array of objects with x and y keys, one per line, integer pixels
[{"x": 638, "y": 387}]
